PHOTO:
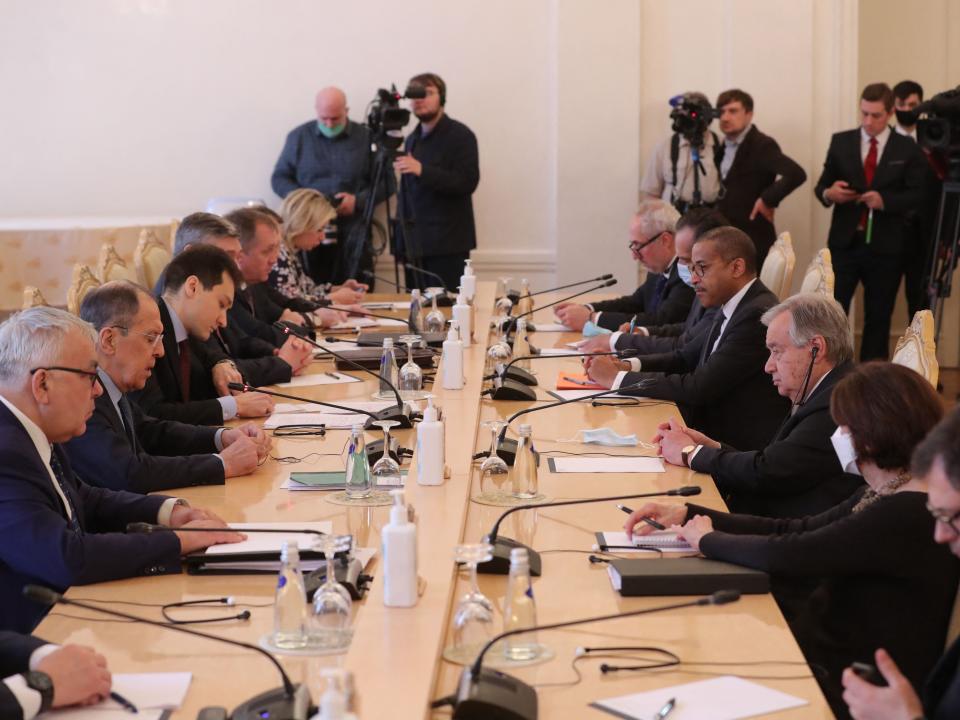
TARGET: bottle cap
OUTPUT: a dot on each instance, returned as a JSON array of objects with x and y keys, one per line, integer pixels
[
  {"x": 430, "y": 412},
  {"x": 519, "y": 556},
  {"x": 467, "y": 267},
  {"x": 388, "y": 342},
  {"x": 525, "y": 429},
  {"x": 289, "y": 552},
  {"x": 398, "y": 511},
  {"x": 357, "y": 427}
]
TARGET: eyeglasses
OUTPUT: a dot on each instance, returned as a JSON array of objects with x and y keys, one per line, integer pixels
[
  {"x": 945, "y": 518},
  {"x": 638, "y": 246},
  {"x": 91, "y": 375},
  {"x": 153, "y": 338}
]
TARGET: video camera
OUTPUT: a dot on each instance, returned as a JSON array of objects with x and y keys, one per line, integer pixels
[
  {"x": 691, "y": 116},
  {"x": 938, "y": 127},
  {"x": 386, "y": 118}
]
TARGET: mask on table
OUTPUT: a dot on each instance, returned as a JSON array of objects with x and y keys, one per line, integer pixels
[
  {"x": 330, "y": 132},
  {"x": 591, "y": 329},
  {"x": 843, "y": 447},
  {"x": 606, "y": 436},
  {"x": 685, "y": 274}
]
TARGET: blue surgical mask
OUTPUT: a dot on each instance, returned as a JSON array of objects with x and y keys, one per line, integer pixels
[
  {"x": 606, "y": 436},
  {"x": 591, "y": 329},
  {"x": 330, "y": 132},
  {"x": 843, "y": 447},
  {"x": 685, "y": 274}
]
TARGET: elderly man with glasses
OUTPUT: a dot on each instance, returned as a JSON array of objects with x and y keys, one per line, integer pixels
[
  {"x": 125, "y": 449},
  {"x": 55, "y": 529}
]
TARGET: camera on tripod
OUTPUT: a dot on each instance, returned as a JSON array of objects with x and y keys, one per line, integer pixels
[
  {"x": 691, "y": 115},
  {"x": 386, "y": 119},
  {"x": 938, "y": 127}
]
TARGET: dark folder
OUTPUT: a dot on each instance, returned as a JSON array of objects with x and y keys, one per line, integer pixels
[{"x": 684, "y": 576}]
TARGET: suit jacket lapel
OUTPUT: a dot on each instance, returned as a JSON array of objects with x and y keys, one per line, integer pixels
[
  {"x": 743, "y": 152},
  {"x": 170, "y": 347},
  {"x": 857, "y": 163}
]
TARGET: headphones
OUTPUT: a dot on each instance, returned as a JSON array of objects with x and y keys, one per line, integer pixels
[
  {"x": 228, "y": 601},
  {"x": 662, "y": 658}
]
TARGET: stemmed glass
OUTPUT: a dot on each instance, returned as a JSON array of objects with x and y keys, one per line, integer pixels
[
  {"x": 500, "y": 351},
  {"x": 473, "y": 618},
  {"x": 410, "y": 379},
  {"x": 503, "y": 287},
  {"x": 494, "y": 471},
  {"x": 332, "y": 605},
  {"x": 386, "y": 471},
  {"x": 435, "y": 321}
]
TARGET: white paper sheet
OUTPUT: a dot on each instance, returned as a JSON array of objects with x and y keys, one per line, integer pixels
[
  {"x": 336, "y": 346},
  {"x": 557, "y": 351},
  {"x": 608, "y": 465},
  {"x": 319, "y": 379},
  {"x": 353, "y": 323},
  {"x": 271, "y": 542},
  {"x": 578, "y": 394},
  {"x": 368, "y": 405},
  {"x": 662, "y": 539},
  {"x": 548, "y": 327},
  {"x": 364, "y": 555},
  {"x": 152, "y": 693},
  {"x": 333, "y": 421},
  {"x": 722, "y": 698}
]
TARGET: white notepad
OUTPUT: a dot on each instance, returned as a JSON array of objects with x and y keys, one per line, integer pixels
[
  {"x": 663, "y": 540},
  {"x": 319, "y": 379},
  {"x": 271, "y": 542},
  {"x": 580, "y": 394},
  {"x": 607, "y": 465},
  {"x": 333, "y": 420},
  {"x": 722, "y": 698},
  {"x": 549, "y": 327},
  {"x": 152, "y": 693},
  {"x": 368, "y": 405}
]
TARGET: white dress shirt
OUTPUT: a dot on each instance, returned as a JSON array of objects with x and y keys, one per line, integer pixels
[
  {"x": 29, "y": 698},
  {"x": 659, "y": 172}
]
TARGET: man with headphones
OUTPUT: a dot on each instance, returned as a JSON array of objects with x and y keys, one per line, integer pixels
[{"x": 439, "y": 172}]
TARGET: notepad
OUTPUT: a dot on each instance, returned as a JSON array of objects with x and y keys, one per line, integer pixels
[
  {"x": 334, "y": 378},
  {"x": 577, "y": 381},
  {"x": 581, "y": 394},
  {"x": 606, "y": 465},
  {"x": 548, "y": 352},
  {"x": 152, "y": 693},
  {"x": 357, "y": 405},
  {"x": 722, "y": 698},
  {"x": 550, "y": 327},
  {"x": 337, "y": 346},
  {"x": 299, "y": 481},
  {"x": 271, "y": 542},
  {"x": 663, "y": 540},
  {"x": 333, "y": 421}
]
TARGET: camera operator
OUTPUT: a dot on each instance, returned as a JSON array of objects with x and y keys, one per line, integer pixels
[
  {"x": 439, "y": 173},
  {"x": 332, "y": 154},
  {"x": 671, "y": 174},
  {"x": 756, "y": 175}
]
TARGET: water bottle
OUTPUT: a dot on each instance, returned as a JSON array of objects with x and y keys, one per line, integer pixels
[
  {"x": 521, "y": 346},
  {"x": 290, "y": 603},
  {"x": 416, "y": 311},
  {"x": 388, "y": 368},
  {"x": 520, "y": 610},
  {"x": 525, "y": 303},
  {"x": 359, "y": 482},
  {"x": 523, "y": 475}
]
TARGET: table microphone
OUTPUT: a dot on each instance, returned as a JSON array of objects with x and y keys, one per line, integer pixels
[
  {"x": 500, "y": 563},
  {"x": 422, "y": 271},
  {"x": 484, "y": 694},
  {"x": 514, "y": 295},
  {"x": 521, "y": 376},
  {"x": 443, "y": 299},
  {"x": 373, "y": 276},
  {"x": 290, "y": 701},
  {"x": 511, "y": 323},
  {"x": 507, "y": 448}
]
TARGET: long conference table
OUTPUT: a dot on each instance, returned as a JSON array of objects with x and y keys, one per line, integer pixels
[{"x": 396, "y": 654}]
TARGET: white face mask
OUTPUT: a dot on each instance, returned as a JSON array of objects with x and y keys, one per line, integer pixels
[
  {"x": 843, "y": 447},
  {"x": 606, "y": 436}
]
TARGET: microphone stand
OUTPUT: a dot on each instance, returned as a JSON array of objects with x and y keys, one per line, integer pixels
[
  {"x": 499, "y": 564},
  {"x": 519, "y": 376},
  {"x": 484, "y": 694},
  {"x": 511, "y": 322},
  {"x": 290, "y": 701}
]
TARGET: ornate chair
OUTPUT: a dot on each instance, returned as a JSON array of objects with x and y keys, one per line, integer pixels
[
  {"x": 113, "y": 267},
  {"x": 83, "y": 282},
  {"x": 150, "y": 258},
  {"x": 819, "y": 276},
  {"x": 916, "y": 348},
  {"x": 32, "y": 297},
  {"x": 777, "y": 270}
]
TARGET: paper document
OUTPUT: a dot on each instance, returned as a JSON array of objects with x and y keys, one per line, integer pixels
[
  {"x": 354, "y": 322},
  {"x": 557, "y": 351},
  {"x": 368, "y": 405},
  {"x": 152, "y": 693},
  {"x": 364, "y": 555},
  {"x": 539, "y": 326},
  {"x": 333, "y": 420},
  {"x": 293, "y": 485},
  {"x": 337, "y": 346},
  {"x": 663, "y": 540},
  {"x": 271, "y": 542},
  {"x": 606, "y": 465},
  {"x": 333, "y": 378},
  {"x": 578, "y": 394},
  {"x": 722, "y": 698}
]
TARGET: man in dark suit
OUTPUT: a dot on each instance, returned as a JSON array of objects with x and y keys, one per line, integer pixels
[
  {"x": 937, "y": 461},
  {"x": 873, "y": 178},
  {"x": 36, "y": 676},
  {"x": 797, "y": 474},
  {"x": 719, "y": 372},
  {"x": 663, "y": 297},
  {"x": 198, "y": 288},
  {"x": 438, "y": 175},
  {"x": 756, "y": 174},
  {"x": 55, "y": 529},
  {"x": 125, "y": 449}
]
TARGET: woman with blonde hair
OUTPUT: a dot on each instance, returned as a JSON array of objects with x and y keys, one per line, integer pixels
[{"x": 305, "y": 213}]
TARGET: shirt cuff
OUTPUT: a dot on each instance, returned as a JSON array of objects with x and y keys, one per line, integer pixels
[
  {"x": 166, "y": 510},
  {"x": 38, "y": 655},
  {"x": 826, "y": 200},
  {"x": 28, "y": 699},
  {"x": 614, "y": 336},
  {"x": 589, "y": 307},
  {"x": 618, "y": 380},
  {"x": 634, "y": 364},
  {"x": 228, "y": 403},
  {"x": 218, "y": 439},
  {"x": 692, "y": 455}
]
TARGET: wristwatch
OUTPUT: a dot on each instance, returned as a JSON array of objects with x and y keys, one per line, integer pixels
[
  {"x": 686, "y": 452},
  {"x": 42, "y": 683}
]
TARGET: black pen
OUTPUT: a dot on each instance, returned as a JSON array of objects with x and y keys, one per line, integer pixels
[
  {"x": 333, "y": 375},
  {"x": 649, "y": 521},
  {"x": 666, "y": 709},
  {"x": 126, "y": 704}
]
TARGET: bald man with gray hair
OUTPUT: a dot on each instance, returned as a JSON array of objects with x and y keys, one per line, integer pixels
[
  {"x": 798, "y": 473},
  {"x": 663, "y": 298}
]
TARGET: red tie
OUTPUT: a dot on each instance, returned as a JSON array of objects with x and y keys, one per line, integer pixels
[
  {"x": 184, "y": 347},
  {"x": 869, "y": 168}
]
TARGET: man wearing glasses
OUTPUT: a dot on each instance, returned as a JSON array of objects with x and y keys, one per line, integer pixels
[
  {"x": 55, "y": 529},
  {"x": 663, "y": 298},
  {"x": 937, "y": 461},
  {"x": 125, "y": 449}
]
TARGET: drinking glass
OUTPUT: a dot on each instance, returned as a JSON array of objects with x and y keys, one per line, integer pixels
[
  {"x": 494, "y": 471},
  {"x": 332, "y": 605},
  {"x": 386, "y": 471},
  {"x": 473, "y": 619},
  {"x": 410, "y": 380}
]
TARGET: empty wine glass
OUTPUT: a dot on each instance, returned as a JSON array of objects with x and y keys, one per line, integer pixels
[
  {"x": 473, "y": 618},
  {"x": 410, "y": 380},
  {"x": 503, "y": 287},
  {"x": 386, "y": 471},
  {"x": 494, "y": 471},
  {"x": 499, "y": 352},
  {"x": 332, "y": 605}
]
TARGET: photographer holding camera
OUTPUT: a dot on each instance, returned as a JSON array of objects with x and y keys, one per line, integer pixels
[{"x": 683, "y": 168}]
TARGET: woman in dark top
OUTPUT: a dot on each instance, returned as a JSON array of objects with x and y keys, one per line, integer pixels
[{"x": 872, "y": 559}]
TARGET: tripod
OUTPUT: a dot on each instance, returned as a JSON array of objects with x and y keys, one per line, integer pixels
[
  {"x": 943, "y": 260},
  {"x": 382, "y": 170}
]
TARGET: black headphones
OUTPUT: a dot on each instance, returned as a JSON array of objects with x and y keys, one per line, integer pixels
[
  {"x": 228, "y": 601},
  {"x": 661, "y": 658}
]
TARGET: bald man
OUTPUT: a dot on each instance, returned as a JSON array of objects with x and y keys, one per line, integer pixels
[{"x": 332, "y": 154}]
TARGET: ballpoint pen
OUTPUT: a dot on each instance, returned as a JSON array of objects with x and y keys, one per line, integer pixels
[
  {"x": 333, "y": 375},
  {"x": 666, "y": 709},
  {"x": 577, "y": 381},
  {"x": 633, "y": 324},
  {"x": 649, "y": 521},
  {"x": 126, "y": 704}
]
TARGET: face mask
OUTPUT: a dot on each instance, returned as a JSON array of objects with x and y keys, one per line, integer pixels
[
  {"x": 606, "y": 436},
  {"x": 906, "y": 118},
  {"x": 685, "y": 274},
  {"x": 591, "y": 329},
  {"x": 843, "y": 447},
  {"x": 330, "y": 132}
]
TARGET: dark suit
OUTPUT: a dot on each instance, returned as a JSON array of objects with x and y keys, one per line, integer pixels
[
  {"x": 667, "y": 338},
  {"x": 15, "y": 652},
  {"x": 38, "y": 544},
  {"x": 727, "y": 395},
  {"x": 941, "y": 696},
  {"x": 169, "y": 454},
  {"x": 654, "y": 303},
  {"x": 254, "y": 357},
  {"x": 797, "y": 474},
  {"x": 899, "y": 178},
  {"x": 249, "y": 317},
  {"x": 759, "y": 170}
]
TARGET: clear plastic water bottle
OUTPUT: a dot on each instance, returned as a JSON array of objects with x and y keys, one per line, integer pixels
[
  {"x": 521, "y": 345},
  {"x": 290, "y": 602},
  {"x": 388, "y": 368},
  {"x": 359, "y": 482},
  {"x": 416, "y": 311},
  {"x": 523, "y": 475},
  {"x": 520, "y": 610}
]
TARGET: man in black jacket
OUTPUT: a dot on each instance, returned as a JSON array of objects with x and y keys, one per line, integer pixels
[
  {"x": 439, "y": 173},
  {"x": 719, "y": 372},
  {"x": 756, "y": 175},
  {"x": 872, "y": 177},
  {"x": 124, "y": 449},
  {"x": 663, "y": 297},
  {"x": 798, "y": 474}
]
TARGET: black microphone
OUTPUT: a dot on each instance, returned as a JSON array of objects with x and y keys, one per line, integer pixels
[
  {"x": 518, "y": 376},
  {"x": 427, "y": 272},
  {"x": 372, "y": 276},
  {"x": 608, "y": 276},
  {"x": 290, "y": 701},
  {"x": 484, "y": 694},
  {"x": 512, "y": 320},
  {"x": 396, "y": 414},
  {"x": 500, "y": 563}
]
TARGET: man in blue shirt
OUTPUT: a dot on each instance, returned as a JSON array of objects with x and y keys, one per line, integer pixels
[{"x": 332, "y": 154}]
